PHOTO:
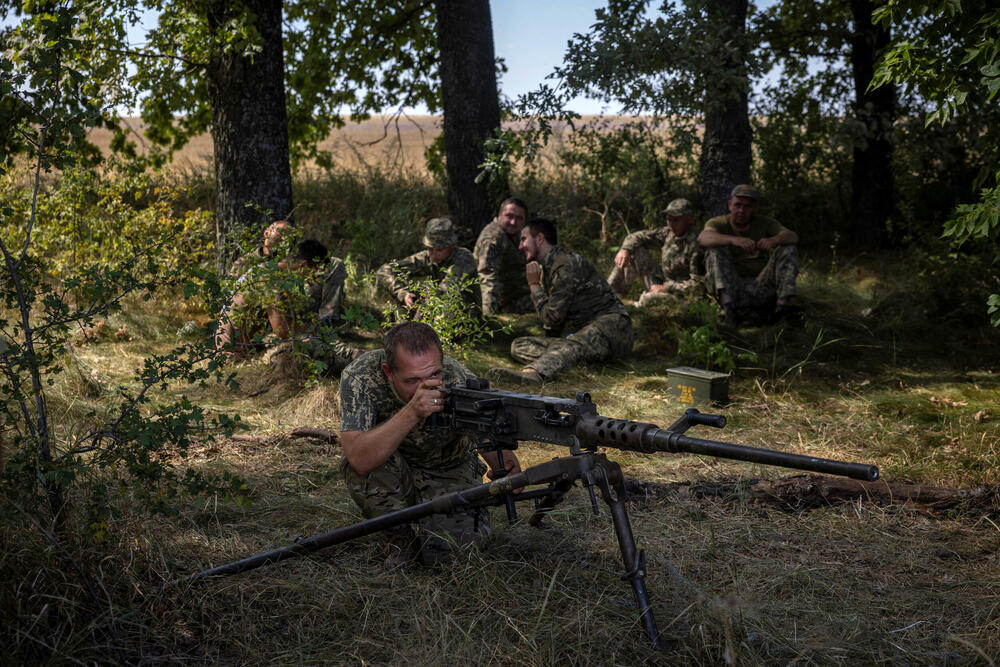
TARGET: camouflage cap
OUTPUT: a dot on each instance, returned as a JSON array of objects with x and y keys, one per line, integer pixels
[
  {"x": 439, "y": 233},
  {"x": 679, "y": 207},
  {"x": 746, "y": 191}
]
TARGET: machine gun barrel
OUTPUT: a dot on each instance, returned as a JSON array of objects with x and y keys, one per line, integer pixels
[{"x": 649, "y": 439}]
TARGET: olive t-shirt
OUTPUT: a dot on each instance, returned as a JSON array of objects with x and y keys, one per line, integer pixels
[{"x": 761, "y": 226}]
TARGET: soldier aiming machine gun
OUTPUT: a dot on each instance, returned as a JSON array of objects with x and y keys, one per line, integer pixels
[{"x": 499, "y": 420}]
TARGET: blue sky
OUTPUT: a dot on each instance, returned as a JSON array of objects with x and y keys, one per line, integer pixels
[{"x": 531, "y": 36}]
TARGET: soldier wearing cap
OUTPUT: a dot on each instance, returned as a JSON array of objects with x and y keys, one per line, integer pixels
[
  {"x": 751, "y": 259},
  {"x": 500, "y": 261},
  {"x": 441, "y": 261},
  {"x": 681, "y": 268}
]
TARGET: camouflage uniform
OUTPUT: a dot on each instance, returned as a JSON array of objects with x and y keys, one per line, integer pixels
[
  {"x": 501, "y": 272},
  {"x": 751, "y": 279},
  {"x": 682, "y": 263},
  {"x": 577, "y": 305},
  {"x": 394, "y": 276},
  {"x": 427, "y": 464},
  {"x": 439, "y": 233},
  {"x": 325, "y": 299}
]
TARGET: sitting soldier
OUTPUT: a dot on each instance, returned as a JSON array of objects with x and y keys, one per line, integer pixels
[
  {"x": 681, "y": 269},
  {"x": 256, "y": 305},
  {"x": 442, "y": 262},
  {"x": 751, "y": 259},
  {"x": 584, "y": 319},
  {"x": 501, "y": 263}
]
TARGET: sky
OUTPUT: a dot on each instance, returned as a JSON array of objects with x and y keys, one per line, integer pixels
[{"x": 531, "y": 36}]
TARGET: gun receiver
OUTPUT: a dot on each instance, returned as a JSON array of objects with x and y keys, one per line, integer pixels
[{"x": 499, "y": 420}]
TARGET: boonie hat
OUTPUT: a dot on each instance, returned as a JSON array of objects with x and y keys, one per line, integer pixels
[
  {"x": 746, "y": 191},
  {"x": 679, "y": 207},
  {"x": 439, "y": 233}
]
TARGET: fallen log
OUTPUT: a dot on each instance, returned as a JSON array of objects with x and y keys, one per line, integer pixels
[
  {"x": 799, "y": 492},
  {"x": 323, "y": 434}
]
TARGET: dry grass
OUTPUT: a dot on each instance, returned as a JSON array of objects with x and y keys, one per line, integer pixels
[{"x": 733, "y": 582}]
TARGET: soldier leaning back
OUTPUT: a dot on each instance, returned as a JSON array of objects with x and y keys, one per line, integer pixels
[
  {"x": 501, "y": 263},
  {"x": 392, "y": 460}
]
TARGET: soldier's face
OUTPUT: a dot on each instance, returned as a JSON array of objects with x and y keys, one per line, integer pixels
[
  {"x": 413, "y": 370},
  {"x": 512, "y": 218},
  {"x": 529, "y": 245},
  {"x": 274, "y": 235},
  {"x": 680, "y": 224},
  {"x": 742, "y": 210},
  {"x": 439, "y": 255}
]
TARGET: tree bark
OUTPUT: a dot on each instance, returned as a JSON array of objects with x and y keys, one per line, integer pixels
[
  {"x": 872, "y": 177},
  {"x": 249, "y": 126},
  {"x": 470, "y": 104},
  {"x": 726, "y": 146}
]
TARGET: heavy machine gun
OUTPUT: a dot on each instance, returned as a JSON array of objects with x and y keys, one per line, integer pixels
[{"x": 499, "y": 420}]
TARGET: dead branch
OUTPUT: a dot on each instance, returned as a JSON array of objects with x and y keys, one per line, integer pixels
[
  {"x": 323, "y": 434},
  {"x": 802, "y": 492}
]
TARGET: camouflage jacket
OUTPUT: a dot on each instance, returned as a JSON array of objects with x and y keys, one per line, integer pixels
[
  {"x": 367, "y": 399},
  {"x": 681, "y": 259},
  {"x": 395, "y": 275},
  {"x": 501, "y": 269},
  {"x": 573, "y": 293},
  {"x": 748, "y": 264}
]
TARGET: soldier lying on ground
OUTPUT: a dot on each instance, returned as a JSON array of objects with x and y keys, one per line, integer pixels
[
  {"x": 751, "y": 259},
  {"x": 392, "y": 460},
  {"x": 681, "y": 269},
  {"x": 583, "y": 318}
]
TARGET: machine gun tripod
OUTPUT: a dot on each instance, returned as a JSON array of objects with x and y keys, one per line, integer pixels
[{"x": 499, "y": 420}]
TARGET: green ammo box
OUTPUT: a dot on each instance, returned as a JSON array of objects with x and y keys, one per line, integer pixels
[{"x": 694, "y": 385}]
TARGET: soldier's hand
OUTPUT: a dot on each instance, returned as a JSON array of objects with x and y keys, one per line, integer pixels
[
  {"x": 622, "y": 258},
  {"x": 410, "y": 300},
  {"x": 426, "y": 400},
  {"x": 744, "y": 243},
  {"x": 767, "y": 243},
  {"x": 658, "y": 289},
  {"x": 533, "y": 273}
]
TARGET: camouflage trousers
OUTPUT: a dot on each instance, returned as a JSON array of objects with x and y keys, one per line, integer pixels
[
  {"x": 396, "y": 485},
  {"x": 641, "y": 264},
  {"x": 607, "y": 337},
  {"x": 775, "y": 281}
]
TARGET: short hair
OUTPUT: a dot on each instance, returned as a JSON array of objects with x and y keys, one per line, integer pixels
[
  {"x": 542, "y": 226},
  {"x": 414, "y": 337},
  {"x": 312, "y": 251},
  {"x": 516, "y": 201}
]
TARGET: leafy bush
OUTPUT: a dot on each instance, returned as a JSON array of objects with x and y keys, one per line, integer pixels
[{"x": 105, "y": 217}]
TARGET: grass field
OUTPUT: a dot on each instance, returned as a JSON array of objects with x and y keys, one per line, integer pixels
[
  {"x": 734, "y": 578},
  {"x": 746, "y": 564}
]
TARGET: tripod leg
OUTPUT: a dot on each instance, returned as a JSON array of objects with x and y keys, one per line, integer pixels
[{"x": 634, "y": 559}]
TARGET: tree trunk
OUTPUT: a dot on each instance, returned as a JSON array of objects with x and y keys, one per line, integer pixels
[
  {"x": 249, "y": 126},
  {"x": 725, "y": 148},
  {"x": 871, "y": 177},
  {"x": 471, "y": 107}
]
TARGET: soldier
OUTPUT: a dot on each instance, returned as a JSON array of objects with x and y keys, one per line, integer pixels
[
  {"x": 442, "y": 261},
  {"x": 392, "y": 460},
  {"x": 681, "y": 269},
  {"x": 501, "y": 263},
  {"x": 247, "y": 315},
  {"x": 578, "y": 309},
  {"x": 751, "y": 259}
]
